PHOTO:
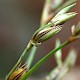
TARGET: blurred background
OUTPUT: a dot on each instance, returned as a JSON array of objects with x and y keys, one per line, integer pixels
[{"x": 19, "y": 19}]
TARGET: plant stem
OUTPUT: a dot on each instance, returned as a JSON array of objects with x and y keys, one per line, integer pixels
[
  {"x": 31, "y": 57},
  {"x": 29, "y": 46},
  {"x": 43, "y": 60}
]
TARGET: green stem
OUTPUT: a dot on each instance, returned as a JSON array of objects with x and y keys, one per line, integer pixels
[
  {"x": 31, "y": 57},
  {"x": 29, "y": 46},
  {"x": 43, "y": 60}
]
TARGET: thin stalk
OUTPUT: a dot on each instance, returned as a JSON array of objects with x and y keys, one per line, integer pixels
[
  {"x": 29, "y": 46},
  {"x": 43, "y": 60},
  {"x": 31, "y": 57}
]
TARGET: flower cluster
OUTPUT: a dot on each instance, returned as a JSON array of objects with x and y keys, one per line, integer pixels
[
  {"x": 53, "y": 27},
  {"x": 18, "y": 73}
]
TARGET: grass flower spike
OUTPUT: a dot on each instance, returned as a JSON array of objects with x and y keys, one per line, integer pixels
[
  {"x": 76, "y": 30},
  {"x": 18, "y": 73},
  {"x": 75, "y": 33},
  {"x": 45, "y": 34},
  {"x": 53, "y": 27}
]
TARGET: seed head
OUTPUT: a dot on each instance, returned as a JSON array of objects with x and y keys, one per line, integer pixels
[
  {"x": 53, "y": 27},
  {"x": 45, "y": 34},
  {"x": 77, "y": 29},
  {"x": 18, "y": 73}
]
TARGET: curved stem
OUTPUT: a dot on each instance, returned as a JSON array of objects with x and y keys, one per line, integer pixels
[
  {"x": 43, "y": 60},
  {"x": 29, "y": 46}
]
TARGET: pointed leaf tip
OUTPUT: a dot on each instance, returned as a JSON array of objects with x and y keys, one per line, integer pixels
[{"x": 66, "y": 9}]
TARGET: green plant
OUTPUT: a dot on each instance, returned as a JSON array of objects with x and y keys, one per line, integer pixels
[{"x": 50, "y": 25}]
